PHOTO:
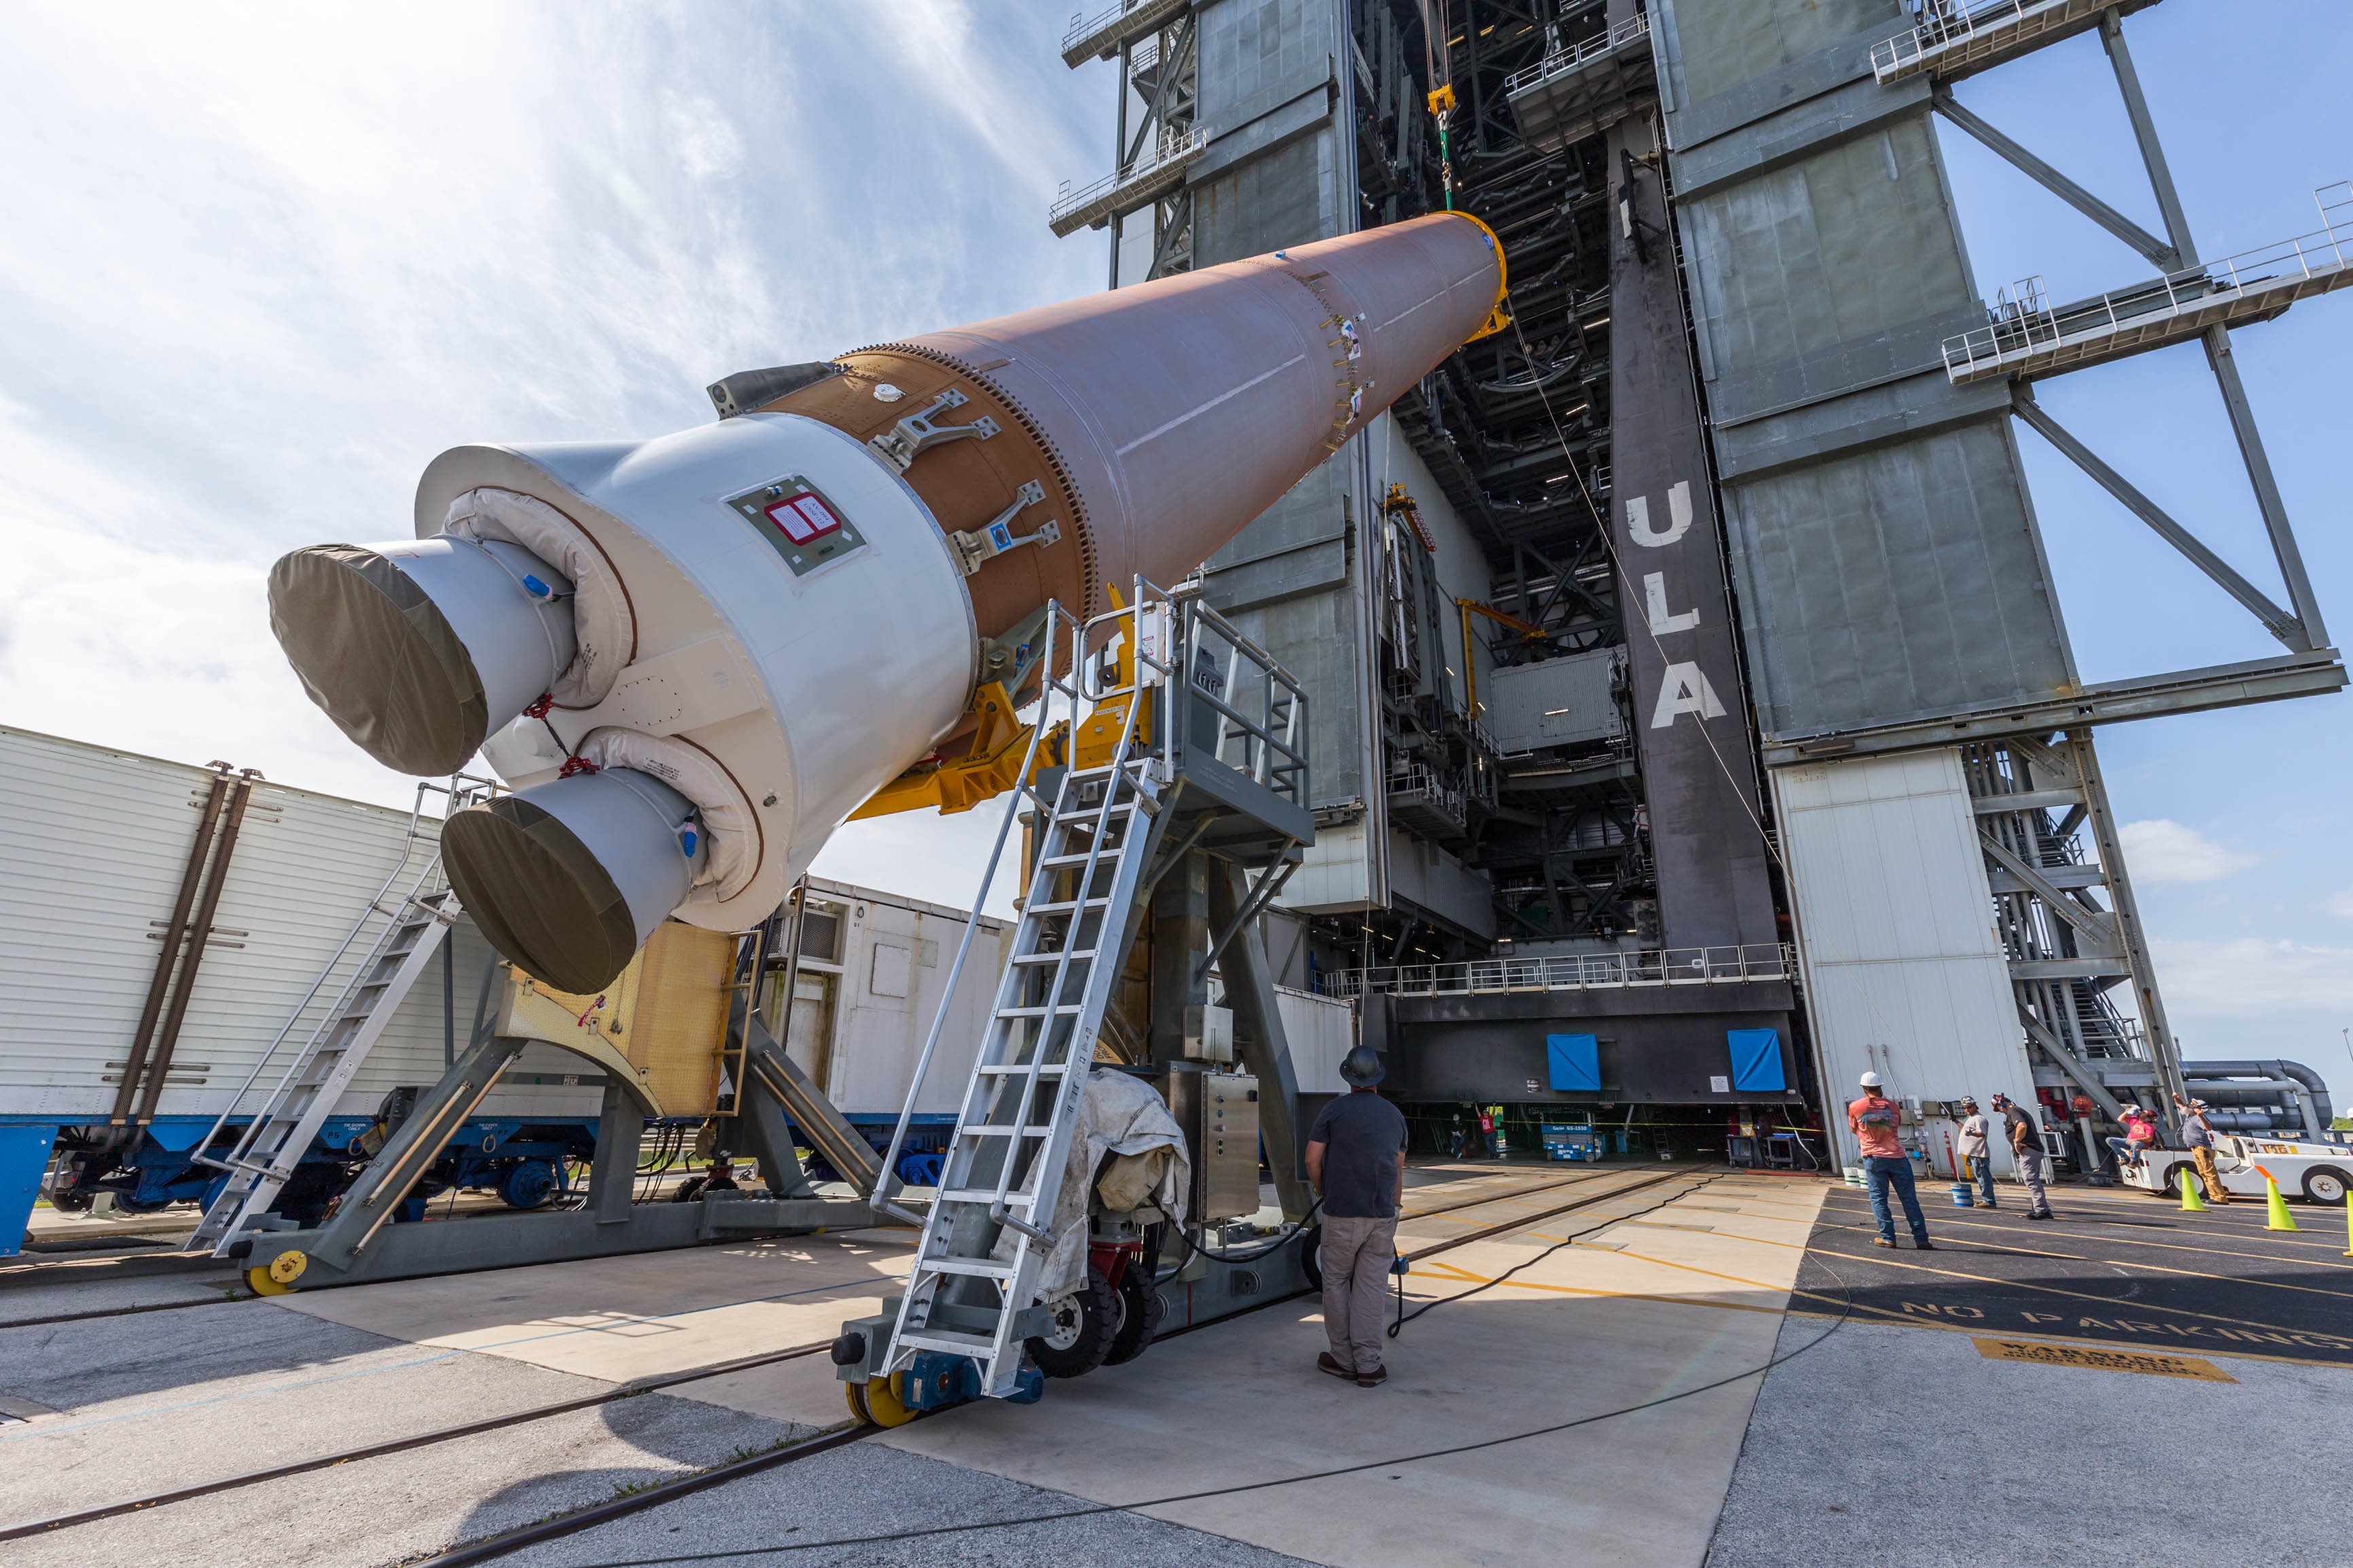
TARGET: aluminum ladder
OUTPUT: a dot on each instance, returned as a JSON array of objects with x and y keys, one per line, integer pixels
[
  {"x": 989, "y": 1232},
  {"x": 280, "y": 1132}
]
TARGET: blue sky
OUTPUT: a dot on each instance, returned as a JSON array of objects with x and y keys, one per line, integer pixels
[{"x": 265, "y": 261}]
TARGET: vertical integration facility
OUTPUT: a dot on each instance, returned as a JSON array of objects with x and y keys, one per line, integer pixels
[{"x": 1694, "y": 722}]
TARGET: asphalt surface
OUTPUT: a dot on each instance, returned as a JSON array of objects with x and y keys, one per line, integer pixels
[
  {"x": 2115, "y": 1267},
  {"x": 1905, "y": 1448}
]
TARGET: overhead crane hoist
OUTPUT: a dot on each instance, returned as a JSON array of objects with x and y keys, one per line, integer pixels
[{"x": 691, "y": 658}]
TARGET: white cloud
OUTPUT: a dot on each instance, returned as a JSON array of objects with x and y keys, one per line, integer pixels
[
  {"x": 2252, "y": 978},
  {"x": 2342, "y": 904},
  {"x": 264, "y": 264},
  {"x": 2163, "y": 850}
]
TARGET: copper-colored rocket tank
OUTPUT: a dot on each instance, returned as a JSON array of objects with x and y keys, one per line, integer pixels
[{"x": 1162, "y": 417}]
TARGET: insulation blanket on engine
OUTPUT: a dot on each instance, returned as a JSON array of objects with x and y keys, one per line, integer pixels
[{"x": 1125, "y": 1118}]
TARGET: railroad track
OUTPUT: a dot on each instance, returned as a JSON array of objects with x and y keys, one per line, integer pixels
[{"x": 1592, "y": 1188}]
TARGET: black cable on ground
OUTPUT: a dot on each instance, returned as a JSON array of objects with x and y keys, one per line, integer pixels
[
  {"x": 1405, "y": 1317},
  {"x": 1846, "y": 1312}
]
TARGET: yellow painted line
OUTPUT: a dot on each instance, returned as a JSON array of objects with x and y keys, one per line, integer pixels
[
  {"x": 2139, "y": 1241},
  {"x": 2092, "y": 1358},
  {"x": 2345, "y": 1296}
]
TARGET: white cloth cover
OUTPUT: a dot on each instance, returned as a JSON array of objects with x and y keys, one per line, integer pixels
[
  {"x": 604, "y": 626},
  {"x": 695, "y": 774},
  {"x": 1118, "y": 1114}
]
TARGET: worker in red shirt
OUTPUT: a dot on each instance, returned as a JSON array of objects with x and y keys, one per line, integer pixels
[{"x": 1873, "y": 1121}]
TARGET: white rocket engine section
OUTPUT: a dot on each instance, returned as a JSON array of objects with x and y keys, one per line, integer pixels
[
  {"x": 758, "y": 702},
  {"x": 693, "y": 656}
]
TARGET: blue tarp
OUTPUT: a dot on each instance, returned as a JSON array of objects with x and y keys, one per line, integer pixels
[
  {"x": 1757, "y": 1061},
  {"x": 1575, "y": 1061}
]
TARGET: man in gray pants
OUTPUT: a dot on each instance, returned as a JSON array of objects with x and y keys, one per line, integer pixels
[{"x": 1356, "y": 1162}]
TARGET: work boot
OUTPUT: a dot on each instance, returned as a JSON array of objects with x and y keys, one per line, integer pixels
[
  {"x": 1326, "y": 1363},
  {"x": 1988, "y": 1204},
  {"x": 1924, "y": 1247},
  {"x": 1374, "y": 1378},
  {"x": 2042, "y": 1214},
  {"x": 1888, "y": 1241}
]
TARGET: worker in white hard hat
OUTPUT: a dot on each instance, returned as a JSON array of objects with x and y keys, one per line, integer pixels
[
  {"x": 1872, "y": 1119},
  {"x": 2197, "y": 1135},
  {"x": 1978, "y": 1153}
]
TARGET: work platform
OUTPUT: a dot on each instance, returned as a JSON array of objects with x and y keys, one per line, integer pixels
[{"x": 2027, "y": 336}]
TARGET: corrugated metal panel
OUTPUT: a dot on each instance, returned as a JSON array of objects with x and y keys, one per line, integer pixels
[
  {"x": 1320, "y": 1031},
  {"x": 1560, "y": 703},
  {"x": 1905, "y": 974},
  {"x": 92, "y": 843}
]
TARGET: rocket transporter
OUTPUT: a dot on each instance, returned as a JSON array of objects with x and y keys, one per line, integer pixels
[{"x": 693, "y": 656}]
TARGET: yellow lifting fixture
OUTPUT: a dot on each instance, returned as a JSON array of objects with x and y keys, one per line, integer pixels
[{"x": 1471, "y": 665}]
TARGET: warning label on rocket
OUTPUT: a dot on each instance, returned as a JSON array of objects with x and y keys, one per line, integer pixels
[{"x": 805, "y": 528}]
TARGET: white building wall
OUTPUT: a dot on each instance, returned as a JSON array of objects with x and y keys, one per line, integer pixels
[
  {"x": 893, "y": 945},
  {"x": 1320, "y": 1032},
  {"x": 93, "y": 843},
  {"x": 1904, "y": 973}
]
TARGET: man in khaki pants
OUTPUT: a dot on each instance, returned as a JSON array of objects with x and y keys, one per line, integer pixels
[{"x": 1356, "y": 1161}]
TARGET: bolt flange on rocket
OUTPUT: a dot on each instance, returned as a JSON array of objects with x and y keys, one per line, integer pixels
[{"x": 693, "y": 656}]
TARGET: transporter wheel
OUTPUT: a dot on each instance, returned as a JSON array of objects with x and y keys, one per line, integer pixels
[
  {"x": 2323, "y": 1185},
  {"x": 529, "y": 1185},
  {"x": 1081, "y": 1327},
  {"x": 1310, "y": 1258},
  {"x": 877, "y": 1401},
  {"x": 2172, "y": 1186},
  {"x": 1140, "y": 1308}
]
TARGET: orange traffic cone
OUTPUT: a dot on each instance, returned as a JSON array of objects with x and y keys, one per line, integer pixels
[
  {"x": 2280, "y": 1219},
  {"x": 2191, "y": 1202}
]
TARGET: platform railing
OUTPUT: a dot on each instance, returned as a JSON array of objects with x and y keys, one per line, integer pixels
[
  {"x": 1567, "y": 60},
  {"x": 1950, "y": 32},
  {"x": 1728, "y": 965},
  {"x": 1073, "y": 208},
  {"x": 2023, "y": 324}
]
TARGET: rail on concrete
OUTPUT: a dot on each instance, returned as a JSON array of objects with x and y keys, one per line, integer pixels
[
  {"x": 2025, "y": 335},
  {"x": 1727, "y": 965}
]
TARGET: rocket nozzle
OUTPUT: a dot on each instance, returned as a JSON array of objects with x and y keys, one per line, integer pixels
[
  {"x": 568, "y": 879},
  {"x": 420, "y": 650}
]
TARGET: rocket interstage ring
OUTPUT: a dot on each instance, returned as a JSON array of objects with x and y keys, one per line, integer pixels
[{"x": 693, "y": 656}]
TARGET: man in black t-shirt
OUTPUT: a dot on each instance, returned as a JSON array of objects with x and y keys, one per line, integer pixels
[
  {"x": 2026, "y": 1148},
  {"x": 1356, "y": 1161}
]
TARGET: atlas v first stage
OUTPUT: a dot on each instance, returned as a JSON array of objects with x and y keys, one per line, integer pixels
[{"x": 695, "y": 657}]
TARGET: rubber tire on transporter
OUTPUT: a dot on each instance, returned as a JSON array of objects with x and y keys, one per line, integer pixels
[
  {"x": 1140, "y": 1309},
  {"x": 1085, "y": 1324},
  {"x": 2172, "y": 1186},
  {"x": 2323, "y": 1185}
]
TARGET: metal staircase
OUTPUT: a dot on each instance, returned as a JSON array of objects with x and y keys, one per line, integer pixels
[
  {"x": 280, "y": 1132},
  {"x": 986, "y": 1235},
  {"x": 990, "y": 1229}
]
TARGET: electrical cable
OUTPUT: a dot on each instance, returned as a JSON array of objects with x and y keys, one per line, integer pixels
[
  {"x": 1845, "y": 1314},
  {"x": 1404, "y": 1316}
]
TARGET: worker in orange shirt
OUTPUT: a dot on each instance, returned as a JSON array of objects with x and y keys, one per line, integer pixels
[{"x": 1872, "y": 1119}]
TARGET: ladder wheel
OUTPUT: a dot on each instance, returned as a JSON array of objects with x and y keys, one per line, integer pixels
[
  {"x": 258, "y": 1280},
  {"x": 876, "y": 1401},
  {"x": 1084, "y": 1324}
]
